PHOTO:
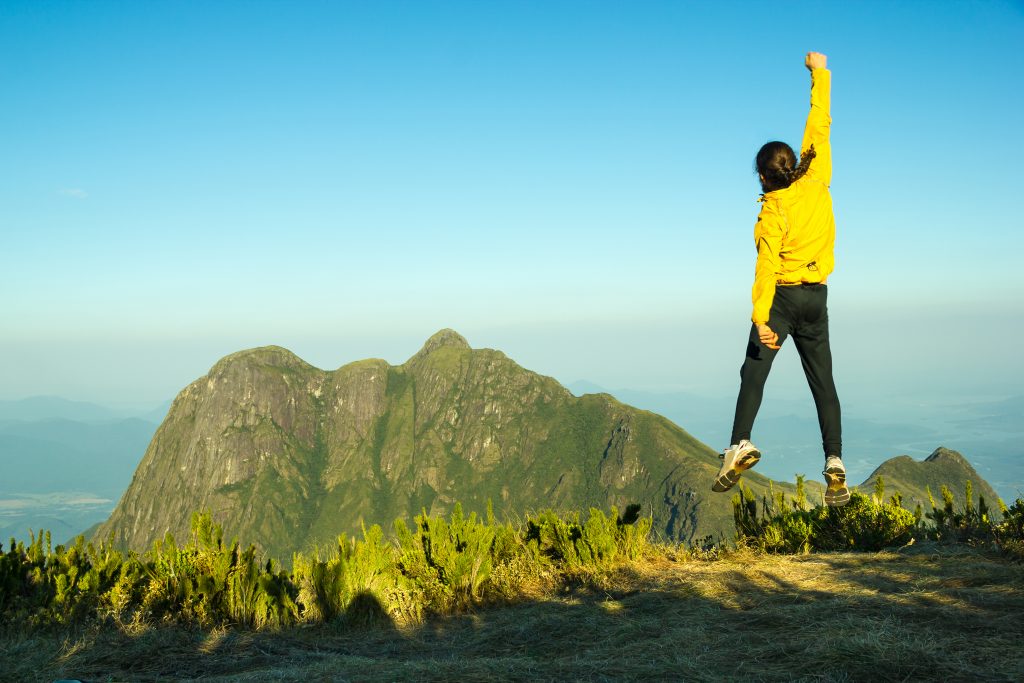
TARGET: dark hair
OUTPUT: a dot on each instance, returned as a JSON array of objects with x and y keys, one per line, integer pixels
[{"x": 777, "y": 165}]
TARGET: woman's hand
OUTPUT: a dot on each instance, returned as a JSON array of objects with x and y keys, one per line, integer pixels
[
  {"x": 815, "y": 60},
  {"x": 768, "y": 338}
]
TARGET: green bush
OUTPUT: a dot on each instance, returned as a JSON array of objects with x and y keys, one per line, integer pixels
[{"x": 862, "y": 524}]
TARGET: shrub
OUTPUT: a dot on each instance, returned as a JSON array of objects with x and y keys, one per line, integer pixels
[
  {"x": 969, "y": 525},
  {"x": 862, "y": 524},
  {"x": 1009, "y": 534}
]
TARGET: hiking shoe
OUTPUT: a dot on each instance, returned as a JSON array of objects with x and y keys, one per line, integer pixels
[
  {"x": 735, "y": 460},
  {"x": 836, "y": 493}
]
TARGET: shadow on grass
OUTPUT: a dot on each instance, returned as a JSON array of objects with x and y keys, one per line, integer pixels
[{"x": 837, "y": 617}]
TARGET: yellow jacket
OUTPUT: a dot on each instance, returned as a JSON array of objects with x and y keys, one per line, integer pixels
[{"x": 795, "y": 232}]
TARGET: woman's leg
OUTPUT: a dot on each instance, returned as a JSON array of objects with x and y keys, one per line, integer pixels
[
  {"x": 753, "y": 375},
  {"x": 812, "y": 343}
]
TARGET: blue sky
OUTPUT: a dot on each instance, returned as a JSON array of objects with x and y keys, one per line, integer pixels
[{"x": 569, "y": 182}]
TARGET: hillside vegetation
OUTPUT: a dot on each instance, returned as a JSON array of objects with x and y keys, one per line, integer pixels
[{"x": 551, "y": 598}]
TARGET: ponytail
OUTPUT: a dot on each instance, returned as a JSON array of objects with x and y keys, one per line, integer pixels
[{"x": 805, "y": 163}]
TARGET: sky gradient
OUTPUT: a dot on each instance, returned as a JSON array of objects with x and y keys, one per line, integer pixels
[{"x": 569, "y": 182}]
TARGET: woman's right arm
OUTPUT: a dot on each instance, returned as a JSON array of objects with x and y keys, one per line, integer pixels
[{"x": 816, "y": 132}]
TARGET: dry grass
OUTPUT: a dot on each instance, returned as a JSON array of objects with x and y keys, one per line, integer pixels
[{"x": 924, "y": 613}]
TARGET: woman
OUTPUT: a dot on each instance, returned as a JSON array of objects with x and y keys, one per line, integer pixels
[{"x": 795, "y": 236}]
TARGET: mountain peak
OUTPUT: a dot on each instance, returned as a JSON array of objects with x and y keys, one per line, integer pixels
[
  {"x": 263, "y": 355},
  {"x": 941, "y": 453},
  {"x": 445, "y": 337}
]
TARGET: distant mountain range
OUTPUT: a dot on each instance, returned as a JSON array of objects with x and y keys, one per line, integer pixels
[
  {"x": 287, "y": 455},
  {"x": 64, "y": 474},
  {"x": 42, "y": 456},
  {"x": 44, "y": 408},
  {"x": 54, "y": 407}
]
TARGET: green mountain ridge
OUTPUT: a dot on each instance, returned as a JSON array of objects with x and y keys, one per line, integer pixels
[
  {"x": 287, "y": 455},
  {"x": 944, "y": 467}
]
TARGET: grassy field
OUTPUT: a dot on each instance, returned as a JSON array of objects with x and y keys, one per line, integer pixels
[{"x": 926, "y": 612}]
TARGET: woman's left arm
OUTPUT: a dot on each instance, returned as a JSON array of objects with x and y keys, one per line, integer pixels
[{"x": 768, "y": 235}]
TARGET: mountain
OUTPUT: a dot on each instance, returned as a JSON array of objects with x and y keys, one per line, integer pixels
[
  {"x": 60, "y": 530},
  {"x": 286, "y": 455},
  {"x": 65, "y": 475},
  {"x": 42, "y": 456},
  {"x": 910, "y": 478},
  {"x": 53, "y": 407},
  {"x": 157, "y": 414}
]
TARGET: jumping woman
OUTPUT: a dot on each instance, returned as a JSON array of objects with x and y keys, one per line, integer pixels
[{"x": 795, "y": 235}]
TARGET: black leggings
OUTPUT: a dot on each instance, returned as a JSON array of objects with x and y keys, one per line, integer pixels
[{"x": 800, "y": 312}]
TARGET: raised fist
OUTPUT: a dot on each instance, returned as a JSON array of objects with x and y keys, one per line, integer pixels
[{"x": 815, "y": 60}]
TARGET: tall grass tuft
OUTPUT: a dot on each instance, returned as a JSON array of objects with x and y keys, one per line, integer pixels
[
  {"x": 597, "y": 543},
  {"x": 359, "y": 580}
]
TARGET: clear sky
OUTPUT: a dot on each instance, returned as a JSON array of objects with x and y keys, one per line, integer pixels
[{"x": 570, "y": 182}]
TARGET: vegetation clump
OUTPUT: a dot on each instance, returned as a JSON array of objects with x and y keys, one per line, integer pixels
[
  {"x": 445, "y": 565},
  {"x": 871, "y": 523}
]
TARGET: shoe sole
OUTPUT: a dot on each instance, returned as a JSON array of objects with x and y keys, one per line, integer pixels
[
  {"x": 836, "y": 492},
  {"x": 729, "y": 478}
]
